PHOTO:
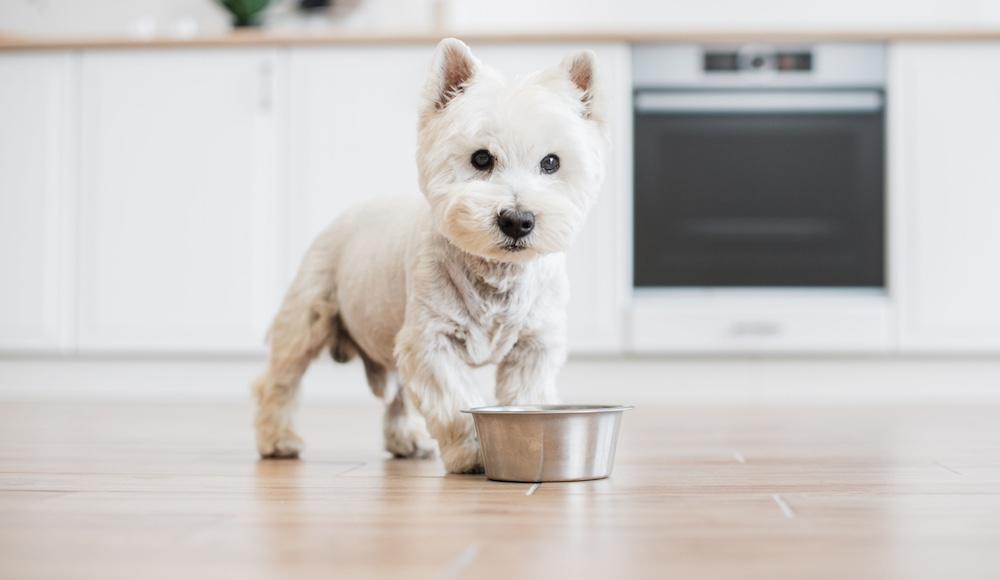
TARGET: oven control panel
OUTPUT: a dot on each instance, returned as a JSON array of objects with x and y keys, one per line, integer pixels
[
  {"x": 750, "y": 60},
  {"x": 758, "y": 65}
]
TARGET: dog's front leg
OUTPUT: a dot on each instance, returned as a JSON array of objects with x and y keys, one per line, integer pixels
[
  {"x": 441, "y": 384},
  {"x": 527, "y": 375}
]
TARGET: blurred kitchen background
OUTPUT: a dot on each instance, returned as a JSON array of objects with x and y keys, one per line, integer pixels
[{"x": 801, "y": 205}]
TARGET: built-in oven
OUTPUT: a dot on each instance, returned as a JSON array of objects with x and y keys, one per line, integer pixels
[{"x": 759, "y": 168}]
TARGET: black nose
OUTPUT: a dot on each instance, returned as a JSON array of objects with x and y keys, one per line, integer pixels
[{"x": 515, "y": 223}]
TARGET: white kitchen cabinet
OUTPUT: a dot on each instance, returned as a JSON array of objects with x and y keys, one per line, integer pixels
[
  {"x": 36, "y": 201},
  {"x": 353, "y": 131},
  {"x": 180, "y": 224},
  {"x": 353, "y": 137},
  {"x": 944, "y": 150}
]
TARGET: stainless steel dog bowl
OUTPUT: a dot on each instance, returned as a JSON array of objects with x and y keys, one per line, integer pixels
[{"x": 536, "y": 443}]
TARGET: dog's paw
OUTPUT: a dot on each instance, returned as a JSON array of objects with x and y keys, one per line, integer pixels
[
  {"x": 409, "y": 444},
  {"x": 404, "y": 432},
  {"x": 471, "y": 470},
  {"x": 285, "y": 444},
  {"x": 462, "y": 457}
]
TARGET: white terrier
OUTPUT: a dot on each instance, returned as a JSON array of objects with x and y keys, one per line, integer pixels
[{"x": 424, "y": 290}]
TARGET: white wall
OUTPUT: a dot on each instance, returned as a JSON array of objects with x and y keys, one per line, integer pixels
[
  {"x": 166, "y": 17},
  {"x": 516, "y": 15},
  {"x": 188, "y": 17},
  {"x": 73, "y": 17}
]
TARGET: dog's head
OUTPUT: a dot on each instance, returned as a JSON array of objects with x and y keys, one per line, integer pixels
[{"x": 510, "y": 168}]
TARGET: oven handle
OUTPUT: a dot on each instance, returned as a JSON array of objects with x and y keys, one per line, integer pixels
[{"x": 729, "y": 101}]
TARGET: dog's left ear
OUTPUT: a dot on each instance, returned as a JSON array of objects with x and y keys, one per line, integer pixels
[{"x": 579, "y": 67}]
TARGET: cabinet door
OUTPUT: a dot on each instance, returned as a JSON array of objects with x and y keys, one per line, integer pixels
[
  {"x": 598, "y": 263},
  {"x": 945, "y": 146},
  {"x": 353, "y": 131},
  {"x": 179, "y": 221},
  {"x": 36, "y": 214}
]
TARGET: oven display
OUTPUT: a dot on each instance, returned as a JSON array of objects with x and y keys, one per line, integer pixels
[{"x": 734, "y": 61}]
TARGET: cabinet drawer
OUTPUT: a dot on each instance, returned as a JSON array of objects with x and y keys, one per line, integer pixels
[{"x": 759, "y": 321}]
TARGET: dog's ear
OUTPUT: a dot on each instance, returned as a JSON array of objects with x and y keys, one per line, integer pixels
[
  {"x": 579, "y": 67},
  {"x": 452, "y": 69}
]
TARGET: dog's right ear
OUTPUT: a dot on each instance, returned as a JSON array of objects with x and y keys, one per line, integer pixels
[{"x": 452, "y": 69}]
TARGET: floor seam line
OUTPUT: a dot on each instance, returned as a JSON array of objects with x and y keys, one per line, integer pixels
[
  {"x": 459, "y": 563},
  {"x": 786, "y": 510},
  {"x": 946, "y": 468}
]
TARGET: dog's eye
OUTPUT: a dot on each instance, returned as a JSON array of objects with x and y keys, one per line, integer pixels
[
  {"x": 482, "y": 160},
  {"x": 550, "y": 163}
]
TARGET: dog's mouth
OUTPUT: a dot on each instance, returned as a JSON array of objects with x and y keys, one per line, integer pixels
[{"x": 514, "y": 246}]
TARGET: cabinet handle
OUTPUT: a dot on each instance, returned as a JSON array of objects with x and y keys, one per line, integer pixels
[
  {"x": 266, "y": 89},
  {"x": 755, "y": 328}
]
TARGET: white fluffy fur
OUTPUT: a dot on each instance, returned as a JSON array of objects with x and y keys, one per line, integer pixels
[{"x": 425, "y": 289}]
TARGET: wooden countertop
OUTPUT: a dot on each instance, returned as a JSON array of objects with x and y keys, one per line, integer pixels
[{"x": 333, "y": 38}]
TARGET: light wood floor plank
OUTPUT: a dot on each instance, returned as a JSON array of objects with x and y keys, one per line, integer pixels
[{"x": 175, "y": 491}]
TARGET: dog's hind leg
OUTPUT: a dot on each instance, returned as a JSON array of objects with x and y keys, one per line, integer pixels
[{"x": 304, "y": 326}]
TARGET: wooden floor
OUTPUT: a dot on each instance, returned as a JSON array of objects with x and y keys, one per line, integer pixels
[{"x": 159, "y": 491}]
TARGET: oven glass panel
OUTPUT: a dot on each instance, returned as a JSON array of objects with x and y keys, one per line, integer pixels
[{"x": 759, "y": 199}]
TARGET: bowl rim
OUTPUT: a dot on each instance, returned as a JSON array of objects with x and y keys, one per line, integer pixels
[{"x": 546, "y": 409}]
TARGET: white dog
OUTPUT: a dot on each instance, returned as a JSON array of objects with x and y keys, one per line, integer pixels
[{"x": 425, "y": 289}]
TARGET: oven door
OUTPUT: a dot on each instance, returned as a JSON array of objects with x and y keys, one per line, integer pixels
[{"x": 759, "y": 188}]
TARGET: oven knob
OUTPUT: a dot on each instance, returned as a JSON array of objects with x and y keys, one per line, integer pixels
[{"x": 758, "y": 61}]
